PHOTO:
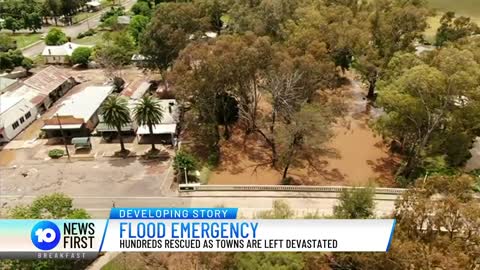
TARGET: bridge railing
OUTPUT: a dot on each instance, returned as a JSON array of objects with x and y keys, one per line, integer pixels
[{"x": 336, "y": 189}]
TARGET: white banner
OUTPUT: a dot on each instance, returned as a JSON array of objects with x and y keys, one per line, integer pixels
[{"x": 248, "y": 235}]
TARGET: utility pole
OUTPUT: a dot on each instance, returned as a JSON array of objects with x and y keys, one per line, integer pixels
[
  {"x": 186, "y": 177},
  {"x": 64, "y": 138}
]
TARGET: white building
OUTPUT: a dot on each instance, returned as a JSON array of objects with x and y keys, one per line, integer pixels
[
  {"x": 16, "y": 113},
  {"x": 167, "y": 129},
  {"x": 93, "y": 5},
  {"x": 60, "y": 54},
  {"x": 78, "y": 114}
]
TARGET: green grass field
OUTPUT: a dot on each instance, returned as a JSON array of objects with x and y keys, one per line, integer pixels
[
  {"x": 470, "y": 8},
  {"x": 90, "y": 40},
  {"x": 464, "y": 7},
  {"x": 25, "y": 39}
]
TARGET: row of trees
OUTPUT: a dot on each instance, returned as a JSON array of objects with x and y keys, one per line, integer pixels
[
  {"x": 283, "y": 52},
  {"x": 30, "y": 14},
  {"x": 148, "y": 111}
]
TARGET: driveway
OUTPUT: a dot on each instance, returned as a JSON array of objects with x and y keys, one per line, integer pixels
[{"x": 74, "y": 30}]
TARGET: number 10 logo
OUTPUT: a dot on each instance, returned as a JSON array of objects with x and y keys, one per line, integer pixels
[{"x": 45, "y": 235}]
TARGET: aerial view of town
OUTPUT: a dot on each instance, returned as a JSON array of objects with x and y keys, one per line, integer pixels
[{"x": 284, "y": 109}]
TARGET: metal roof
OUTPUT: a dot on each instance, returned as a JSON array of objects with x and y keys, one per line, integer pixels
[
  {"x": 158, "y": 129},
  {"x": 28, "y": 93},
  {"x": 84, "y": 104},
  {"x": 48, "y": 79},
  {"x": 62, "y": 50}
]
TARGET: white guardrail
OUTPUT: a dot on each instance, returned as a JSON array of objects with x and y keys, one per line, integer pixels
[{"x": 335, "y": 189}]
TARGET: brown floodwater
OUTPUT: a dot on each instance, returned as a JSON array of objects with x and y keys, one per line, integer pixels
[{"x": 355, "y": 156}]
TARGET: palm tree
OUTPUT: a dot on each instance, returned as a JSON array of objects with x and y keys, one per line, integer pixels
[
  {"x": 148, "y": 112},
  {"x": 116, "y": 114}
]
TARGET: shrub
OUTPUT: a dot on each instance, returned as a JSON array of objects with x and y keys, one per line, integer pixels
[
  {"x": 56, "y": 37},
  {"x": 476, "y": 185},
  {"x": 355, "y": 204},
  {"x": 185, "y": 160},
  {"x": 112, "y": 12},
  {"x": 457, "y": 148},
  {"x": 81, "y": 55},
  {"x": 288, "y": 180},
  {"x": 27, "y": 64},
  {"x": 56, "y": 153},
  {"x": 87, "y": 33},
  {"x": 213, "y": 158}
]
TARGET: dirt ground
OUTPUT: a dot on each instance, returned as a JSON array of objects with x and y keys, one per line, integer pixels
[{"x": 356, "y": 155}]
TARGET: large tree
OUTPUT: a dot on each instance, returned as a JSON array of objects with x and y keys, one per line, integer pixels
[
  {"x": 116, "y": 114},
  {"x": 81, "y": 55},
  {"x": 208, "y": 74},
  {"x": 394, "y": 26},
  {"x": 172, "y": 27},
  {"x": 148, "y": 111},
  {"x": 137, "y": 26},
  {"x": 302, "y": 135},
  {"x": 427, "y": 101},
  {"x": 453, "y": 28}
]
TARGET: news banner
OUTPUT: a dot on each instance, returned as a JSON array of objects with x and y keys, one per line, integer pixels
[{"x": 187, "y": 230}]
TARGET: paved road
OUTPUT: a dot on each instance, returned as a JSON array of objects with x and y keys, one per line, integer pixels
[
  {"x": 74, "y": 30},
  {"x": 249, "y": 205},
  {"x": 96, "y": 185}
]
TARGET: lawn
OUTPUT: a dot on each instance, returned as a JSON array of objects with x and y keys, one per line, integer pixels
[
  {"x": 26, "y": 39},
  {"x": 469, "y": 8},
  {"x": 464, "y": 7},
  {"x": 90, "y": 40},
  {"x": 82, "y": 16}
]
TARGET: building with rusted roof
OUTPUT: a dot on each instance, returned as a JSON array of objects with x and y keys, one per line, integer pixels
[{"x": 52, "y": 82}]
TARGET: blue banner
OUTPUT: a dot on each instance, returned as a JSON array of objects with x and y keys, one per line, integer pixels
[{"x": 173, "y": 213}]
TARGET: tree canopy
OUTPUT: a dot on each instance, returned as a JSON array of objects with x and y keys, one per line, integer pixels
[
  {"x": 429, "y": 101},
  {"x": 56, "y": 36},
  {"x": 81, "y": 55}
]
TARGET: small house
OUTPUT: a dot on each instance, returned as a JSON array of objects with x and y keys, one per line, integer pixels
[{"x": 60, "y": 54}]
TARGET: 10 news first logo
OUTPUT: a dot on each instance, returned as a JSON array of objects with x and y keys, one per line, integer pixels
[{"x": 46, "y": 235}]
